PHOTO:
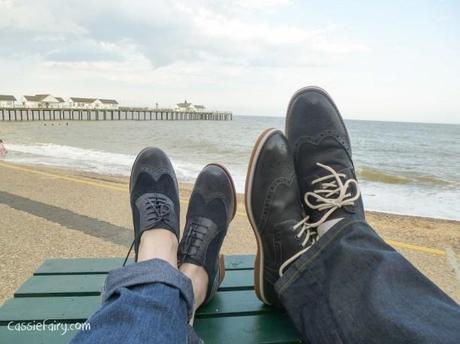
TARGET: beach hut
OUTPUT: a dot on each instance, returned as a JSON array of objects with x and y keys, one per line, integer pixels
[
  {"x": 7, "y": 101},
  {"x": 93, "y": 103},
  {"x": 83, "y": 103},
  {"x": 62, "y": 102},
  {"x": 109, "y": 104},
  {"x": 46, "y": 101}
]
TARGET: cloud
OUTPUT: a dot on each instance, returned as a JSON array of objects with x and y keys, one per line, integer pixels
[
  {"x": 243, "y": 55},
  {"x": 211, "y": 50},
  {"x": 163, "y": 32},
  {"x": 35, "y": 17},
  {"x": 267, "y": 5}
]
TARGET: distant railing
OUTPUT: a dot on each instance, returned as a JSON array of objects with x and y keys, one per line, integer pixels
[{"x": 133, "y": 114}]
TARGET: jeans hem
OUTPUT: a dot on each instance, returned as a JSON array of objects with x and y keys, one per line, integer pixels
[
  {"x": 299, "y": 267},
  {"x": 149, "y": 271}
]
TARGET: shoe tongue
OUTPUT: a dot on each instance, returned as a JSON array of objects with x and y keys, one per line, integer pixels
[{"x": 322, "y": 229}]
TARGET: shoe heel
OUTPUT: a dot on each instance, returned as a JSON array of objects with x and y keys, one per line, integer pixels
[{"x": 221, "y": 268}]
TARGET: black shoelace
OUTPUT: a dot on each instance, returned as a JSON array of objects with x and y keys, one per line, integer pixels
[
  {"x": 156, "y": 209},
  {"x": 195, "y": 235}
]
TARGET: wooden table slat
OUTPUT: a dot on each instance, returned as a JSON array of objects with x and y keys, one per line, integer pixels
[
  {"x": 66, "y": 292},
  {"x": 274, "y": 327},
  {"x": 91, "y": 285},
  {"x": 86, "y": 266},
  {"x": 79, "y": 308},
  {"x": 271, "y": 328}
]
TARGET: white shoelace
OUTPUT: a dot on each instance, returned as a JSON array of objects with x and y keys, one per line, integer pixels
[{"x": 331, "y": 185}]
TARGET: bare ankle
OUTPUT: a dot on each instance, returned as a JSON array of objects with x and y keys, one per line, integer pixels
[
  {"x": 199, "y": 278},
  {"x": 160, "y": 244}
]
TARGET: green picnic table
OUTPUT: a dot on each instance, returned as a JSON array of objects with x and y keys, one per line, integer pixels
[{"x": 63, "y": 293}]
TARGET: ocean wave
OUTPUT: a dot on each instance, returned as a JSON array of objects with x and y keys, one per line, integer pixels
[
  {"x": 380, "y": 176},
  {"x": 91, "y": 160},
  {"x": 414, "y": 192},
  {"x": 69, "y": 152}
]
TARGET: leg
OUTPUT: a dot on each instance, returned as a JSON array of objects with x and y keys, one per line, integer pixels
[
  {"x": 337, "y": 279},
  {"x": 211, "y": 208},
  {"x": 146, "y": 302},
  {"x": 149, "y": 301},
  {"x": 155, "y": 310},
  {"x": 351, "y": 287}
]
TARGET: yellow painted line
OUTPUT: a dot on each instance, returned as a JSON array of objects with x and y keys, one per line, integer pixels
[
  {"x": 57, "y": 176},
  {"x": 111, "y": 186},
  {"x": 103, "y": 185},
  {"x": 423, "y": 249}
]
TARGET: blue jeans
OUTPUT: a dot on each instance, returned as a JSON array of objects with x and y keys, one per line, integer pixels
[
  {"x": 146, "y": 302},
  {"x": 349, "y": 287}
]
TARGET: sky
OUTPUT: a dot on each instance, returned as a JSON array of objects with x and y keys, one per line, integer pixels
[{"x": 379, "y": 60}]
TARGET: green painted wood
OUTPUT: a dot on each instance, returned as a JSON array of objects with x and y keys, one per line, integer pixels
[
  {"x": 233, "y": 303},
  {"x": 88, "y": 266},
  {"x": 266, "y": 328},
  {"x": 240, "y": 262},
  {"x": 238, "y": 280},
  {"x": 80, "y": 266},
  {"x": 36, "y": 337},
  {"x": 79, "y": 308},
  {"x": 62, "y": 285},
  {"x": 60, "y": 309},
  {"x": 87, "y": 285},
  {"x": 67, "y": 291}
]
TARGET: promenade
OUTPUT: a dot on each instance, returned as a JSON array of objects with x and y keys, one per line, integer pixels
[{"x": 49, "y": 213}]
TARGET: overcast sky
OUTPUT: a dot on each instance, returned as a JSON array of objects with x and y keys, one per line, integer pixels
[{"x": 380, "y": 60}]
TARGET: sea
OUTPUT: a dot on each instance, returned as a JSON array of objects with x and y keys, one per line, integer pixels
[{"x": 403, "y": 168}]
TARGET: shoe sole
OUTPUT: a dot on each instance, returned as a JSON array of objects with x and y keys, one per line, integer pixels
[
  {"x": 221, "y": 268},
  {"x": 259, "y": 263},
  {"x": 317, "y": 90}
]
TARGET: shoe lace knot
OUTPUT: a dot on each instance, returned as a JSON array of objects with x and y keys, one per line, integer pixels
[
  {"x": 333, "y": 192},
  {"x": 156, "y": 209}
]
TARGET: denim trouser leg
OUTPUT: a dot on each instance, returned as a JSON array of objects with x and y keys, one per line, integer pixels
[
  {"x": 146, "y": 302},
  {"x": 351, "y": 287}
]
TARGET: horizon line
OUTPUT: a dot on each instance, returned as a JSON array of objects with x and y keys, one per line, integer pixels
[{"x": 358, "y": 119}]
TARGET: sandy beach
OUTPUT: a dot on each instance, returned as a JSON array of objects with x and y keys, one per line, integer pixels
[{"x": 52, "y": 213}]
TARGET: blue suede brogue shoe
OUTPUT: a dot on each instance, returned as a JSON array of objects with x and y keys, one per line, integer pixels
[
  {"x": 211, "y": 208},
  {"x": 323, "y": 161},
  {"x": 274, "y": 208},
  {"x": 154, "y": 195}
]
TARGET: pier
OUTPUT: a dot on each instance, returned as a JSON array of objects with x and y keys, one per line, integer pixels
[{"x": 48, "y": 114}]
